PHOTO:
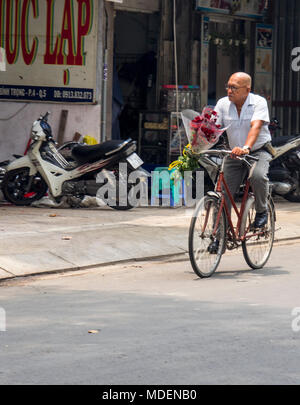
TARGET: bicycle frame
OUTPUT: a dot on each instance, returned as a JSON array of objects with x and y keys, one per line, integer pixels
[
  {"x": 212, "y": 230},
  {"x": 235, "y": 232}
]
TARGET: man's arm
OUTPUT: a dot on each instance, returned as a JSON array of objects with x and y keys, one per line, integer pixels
[{"x": 256, "y": 127}]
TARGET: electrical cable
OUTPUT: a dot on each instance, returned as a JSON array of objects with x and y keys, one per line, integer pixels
[
  {"x": 15, "y": 114},
  {"x": 176, "y": 73}
]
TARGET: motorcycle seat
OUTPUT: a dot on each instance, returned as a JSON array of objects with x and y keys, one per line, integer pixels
[
  {"x": 92, "y": 153},
  {"x": 282, "y": 140}
]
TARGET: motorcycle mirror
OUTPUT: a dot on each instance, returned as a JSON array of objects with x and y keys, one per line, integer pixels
[
  {"x": 274, "y": 124},
  {"x": 45, "y": 117}
]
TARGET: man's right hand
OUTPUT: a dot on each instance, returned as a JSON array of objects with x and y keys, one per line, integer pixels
[{"x": 239, "y": 152}]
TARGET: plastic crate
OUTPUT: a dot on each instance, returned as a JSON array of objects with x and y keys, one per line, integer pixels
[{"x": 176, "y": 195}]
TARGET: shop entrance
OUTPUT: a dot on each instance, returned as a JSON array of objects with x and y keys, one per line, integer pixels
[
  {"x": 229, "y": 52},
  {"x": 135, "y": 67}
]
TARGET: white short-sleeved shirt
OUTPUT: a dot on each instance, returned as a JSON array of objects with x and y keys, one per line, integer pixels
[{"x": 255, "y": 108}]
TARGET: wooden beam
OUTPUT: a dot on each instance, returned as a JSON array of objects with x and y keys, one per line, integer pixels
[{"x": 62, "y": 127}]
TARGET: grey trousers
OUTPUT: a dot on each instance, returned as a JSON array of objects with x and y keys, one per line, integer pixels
[{"x": 235, "y": 172}]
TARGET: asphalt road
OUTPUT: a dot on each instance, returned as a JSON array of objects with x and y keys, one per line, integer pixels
[{"x": 155, "y": 323}]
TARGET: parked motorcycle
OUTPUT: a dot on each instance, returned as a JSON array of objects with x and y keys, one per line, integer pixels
[
  {"x": 284, "y": 173},
  {"x": 28, "y": 178}
]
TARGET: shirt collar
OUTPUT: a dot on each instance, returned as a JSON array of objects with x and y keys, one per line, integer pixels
[{"x": 249, "y": 101}]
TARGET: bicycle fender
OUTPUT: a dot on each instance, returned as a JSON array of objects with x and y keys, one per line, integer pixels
[
  {"x": 249, "y": 202},
  {"x": 273, "y": 208},
  {"x": 213, "y": 194},
  {"x": 20, "y": 163}
]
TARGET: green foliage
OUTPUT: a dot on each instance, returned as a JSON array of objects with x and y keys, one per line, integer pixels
[{"x": 187, "y": 162}]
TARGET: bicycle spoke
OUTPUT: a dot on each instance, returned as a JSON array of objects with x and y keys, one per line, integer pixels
[
  {"x": 205, "y": 248},
  {"x": 258, "y": 244}
]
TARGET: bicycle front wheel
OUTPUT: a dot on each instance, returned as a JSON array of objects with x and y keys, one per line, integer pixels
[
  {"x": 258, "y": 243},
  {"x": 206, "y": 246}
]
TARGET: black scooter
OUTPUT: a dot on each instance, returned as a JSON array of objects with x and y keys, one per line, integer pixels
[{"x": 284, "y": 171}]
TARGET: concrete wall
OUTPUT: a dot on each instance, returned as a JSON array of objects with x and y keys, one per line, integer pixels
[{"x": 15, "y": 132}]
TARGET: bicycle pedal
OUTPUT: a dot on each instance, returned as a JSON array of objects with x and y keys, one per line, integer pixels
[
  {"x": 213, "y": 247},
  {"x": 255, "y": 228}
]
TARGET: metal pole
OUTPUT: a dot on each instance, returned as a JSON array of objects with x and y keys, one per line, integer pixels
[{"x": 104, "y": 96}]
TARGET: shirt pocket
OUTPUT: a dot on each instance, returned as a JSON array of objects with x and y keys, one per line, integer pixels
[
  {"x": 248, "y": 114},
  {"x": 229, "y": 121}
]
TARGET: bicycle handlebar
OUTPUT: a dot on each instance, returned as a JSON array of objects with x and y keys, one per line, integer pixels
[{"x": 228, "y": 152}]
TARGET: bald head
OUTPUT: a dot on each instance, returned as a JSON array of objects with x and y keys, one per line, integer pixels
[
  {"x": 242, "y": 78},
  {"x": 238, "y": 88}
]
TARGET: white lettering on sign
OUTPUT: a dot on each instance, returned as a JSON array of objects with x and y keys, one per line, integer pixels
[{"x": 296, "y": 61}]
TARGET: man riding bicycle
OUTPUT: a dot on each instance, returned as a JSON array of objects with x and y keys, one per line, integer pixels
[{"x": 247, "y": 116}]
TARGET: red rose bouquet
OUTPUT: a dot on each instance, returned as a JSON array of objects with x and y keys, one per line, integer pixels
[{"x": 202, "y": 130}]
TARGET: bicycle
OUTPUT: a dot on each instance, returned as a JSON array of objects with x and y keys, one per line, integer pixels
[{"x": 212, "y": 230}]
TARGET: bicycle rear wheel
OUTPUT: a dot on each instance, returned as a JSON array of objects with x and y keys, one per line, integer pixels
[
  {"x": 257, "y": 246},
  {"x": 206, "y": 249}
]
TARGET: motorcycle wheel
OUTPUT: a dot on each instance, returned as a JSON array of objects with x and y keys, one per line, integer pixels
[
  {"x": 294, "y": 196},
  {"x": 121, "y": 205},
  {"x": 15, "y": 187}
]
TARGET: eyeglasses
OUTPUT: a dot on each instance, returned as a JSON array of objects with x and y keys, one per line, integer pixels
[{"x": 233, "y": 88}]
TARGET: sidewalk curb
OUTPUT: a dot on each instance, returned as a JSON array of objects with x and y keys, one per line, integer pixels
[
  {"x": 93, "y": 266},
  {"x": 178, "y": 256}
]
